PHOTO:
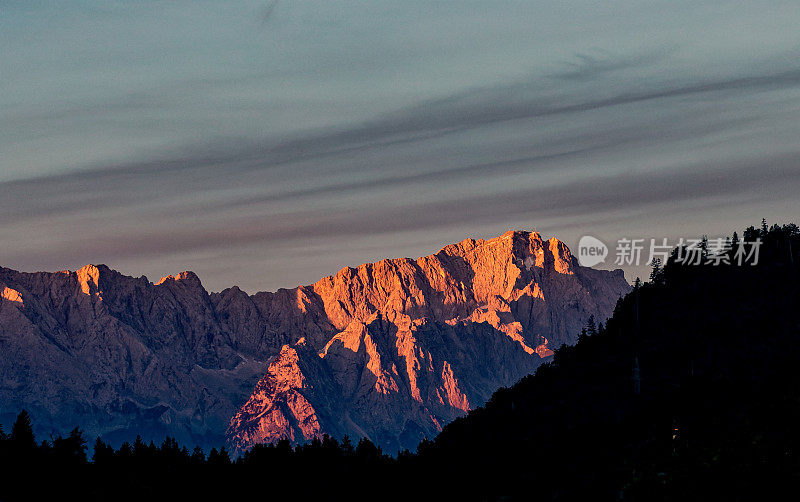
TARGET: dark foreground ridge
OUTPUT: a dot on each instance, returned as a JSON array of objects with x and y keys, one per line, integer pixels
[{"x": 690, "y": 391}]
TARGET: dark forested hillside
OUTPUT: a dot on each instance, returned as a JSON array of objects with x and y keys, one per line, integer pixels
[{"x": 690, "y": 391}]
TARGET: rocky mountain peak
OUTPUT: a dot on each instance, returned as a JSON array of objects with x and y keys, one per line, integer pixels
[
  {"x": 89, "y": 278},
  {"x": 398, "y": 340},
  {"x": 11, "y": 295},
  {"x": 391, "y": 350},
  {"x": 187, "y": 278}
]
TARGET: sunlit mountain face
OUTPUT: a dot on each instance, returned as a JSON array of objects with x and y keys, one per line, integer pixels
[{"x": 392, "y": 350}]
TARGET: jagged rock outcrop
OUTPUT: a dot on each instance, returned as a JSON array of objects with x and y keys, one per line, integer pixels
[
  {"x": 404, "y": 346},
  {"x": 119, "y": 355},
  {"x": 391, "y": 350}
]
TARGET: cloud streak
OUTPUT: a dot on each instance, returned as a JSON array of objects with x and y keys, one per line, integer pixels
[{"x": 612, "y": 142}]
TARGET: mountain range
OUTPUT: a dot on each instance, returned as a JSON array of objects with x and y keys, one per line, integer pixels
[{"x": 392, "y": 350}]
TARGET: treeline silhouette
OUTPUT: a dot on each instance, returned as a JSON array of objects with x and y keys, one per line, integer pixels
[
  {"x": 691, "y": 390},
  {"x": 60, "y": 467}
]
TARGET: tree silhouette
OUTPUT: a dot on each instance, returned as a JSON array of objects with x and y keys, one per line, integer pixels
[
  {"x": 219, "y": 457},
  {"x": 21, "y": 437},
  {"x": 657, "y": 273},
  {"x": 347, "y": 446},
  {"x": 139, "y": 448},
  {"x": 198, "y": 456},
  {"x": 103, "y": 453},
  {"x": 591, "y": 326},
  {"x": 70, "y": 449},
  {"x": 125, "y": 453},
  {"x": 366, "y": 450}
]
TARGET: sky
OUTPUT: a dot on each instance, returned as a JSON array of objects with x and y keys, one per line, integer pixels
[{"x": 267, "y": 144}]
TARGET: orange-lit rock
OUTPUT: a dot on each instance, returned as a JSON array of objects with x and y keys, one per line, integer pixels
[
  {"x": 88, "y": 279},
  {"x": 411, "y": 344},
  {"x": 391, "y": 350},
  {"x": 10, "y": 295},
  {"x": 277, "y": 408}
]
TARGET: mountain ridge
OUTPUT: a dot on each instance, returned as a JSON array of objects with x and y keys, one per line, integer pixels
[
  {"x": 136, "y": 356},
  {"x": 420, "y": 323}
]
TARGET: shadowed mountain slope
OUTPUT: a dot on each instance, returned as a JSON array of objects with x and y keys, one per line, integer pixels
[
  {"x": 689, "y": 392},
  {"x": 391, "y": 350}
]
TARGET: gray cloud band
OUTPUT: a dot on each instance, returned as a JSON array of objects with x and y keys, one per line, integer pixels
[{"x": 356, "y": 181}]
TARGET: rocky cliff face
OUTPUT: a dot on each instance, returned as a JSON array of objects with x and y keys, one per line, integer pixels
[
  {"x": 119, "y": 355},
  {"x": 391, "y": 350},
  {"x": 394, "y": 350}
]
